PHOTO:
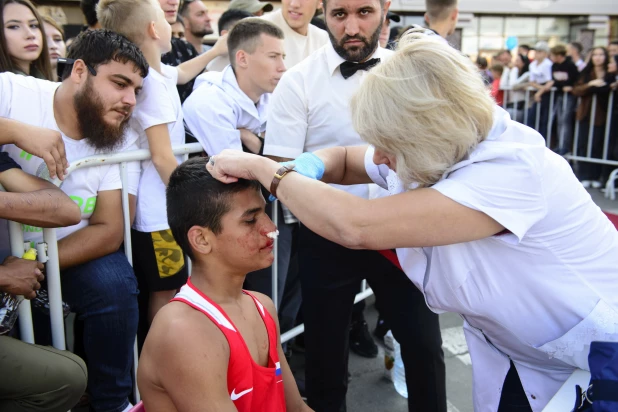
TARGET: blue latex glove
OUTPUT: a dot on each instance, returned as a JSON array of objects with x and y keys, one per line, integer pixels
[{"x": 308, "y": 165}]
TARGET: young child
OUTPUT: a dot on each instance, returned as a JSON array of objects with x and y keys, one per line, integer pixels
[
  {"x": 496, "y": 73},
  {"x": 216, "y": 347},
  {"x": 158, "y": 261}
]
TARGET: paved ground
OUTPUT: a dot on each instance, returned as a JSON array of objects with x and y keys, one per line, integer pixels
[{"x": 370, "y": 391}]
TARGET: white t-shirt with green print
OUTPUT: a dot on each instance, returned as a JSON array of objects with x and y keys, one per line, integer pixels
[{"x": 30, "y": 100}]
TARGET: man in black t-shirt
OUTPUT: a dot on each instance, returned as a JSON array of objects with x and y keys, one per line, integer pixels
[
  {"x": 181, "y": 50},
  {"x": 564, "y": 75}
]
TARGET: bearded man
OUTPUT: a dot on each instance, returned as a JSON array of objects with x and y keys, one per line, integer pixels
[
  {"x": 90, "y": 108},
  {"x": 310, "y": 111}
]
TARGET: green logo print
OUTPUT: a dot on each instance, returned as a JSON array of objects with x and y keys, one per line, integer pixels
[
  {"x": 31, "y": 229},
  {"x": 25, "y": 155},
  {"x": 88, "y": 206}
]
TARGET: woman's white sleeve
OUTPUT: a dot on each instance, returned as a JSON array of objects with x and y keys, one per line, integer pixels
[{"x": 510, "y": 191}]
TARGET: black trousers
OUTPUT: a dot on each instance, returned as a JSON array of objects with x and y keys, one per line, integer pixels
[
  {"x": 330, "y": 277},
  {"x": 513, "y": 397}
]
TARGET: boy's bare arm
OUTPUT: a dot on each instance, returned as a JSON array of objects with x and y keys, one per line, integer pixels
[
  {"x": 293, "y": 401},
  {"x": 191, "y": 358},
  {"x": 161, "y": 150}
]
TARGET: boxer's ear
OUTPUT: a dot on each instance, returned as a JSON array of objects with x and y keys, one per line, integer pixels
[{"x": 200, "y": 240}]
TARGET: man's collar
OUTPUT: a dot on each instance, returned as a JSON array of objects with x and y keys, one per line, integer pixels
[
  {"x": 334, "y": 60},
  {"x": 247, "y": 104}
]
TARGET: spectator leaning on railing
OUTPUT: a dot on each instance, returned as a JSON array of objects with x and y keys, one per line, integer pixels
[
  {"x": 574, "y": 51},
  {"x": 34, "y": 378},
  {"x": 90, "y": 108},
  {"x": 564, "y": 74},
  {"x": 515, "y": 82},
  {"x": 540, "y": 73},
  {"x": 594, "y": 80}
]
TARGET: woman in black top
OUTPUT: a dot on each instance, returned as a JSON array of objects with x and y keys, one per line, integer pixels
[{"x": 594, "y": 80}]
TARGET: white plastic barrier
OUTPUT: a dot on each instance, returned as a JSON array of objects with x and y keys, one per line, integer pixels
[{"x": 53, "y": 271}]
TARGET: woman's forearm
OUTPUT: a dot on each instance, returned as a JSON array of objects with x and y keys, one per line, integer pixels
[
  {"x": 334, "y": 163},
  {"x": 344, "y": 165}
]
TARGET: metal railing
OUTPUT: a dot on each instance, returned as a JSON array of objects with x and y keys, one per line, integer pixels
[
  {"x": 575, "y": 154},
  {"x": 52, "y": 262}
]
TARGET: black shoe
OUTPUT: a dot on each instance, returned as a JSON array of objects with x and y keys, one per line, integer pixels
[
  {"x": 361, "y": 341},
  {"x": 381, "y": 329}
]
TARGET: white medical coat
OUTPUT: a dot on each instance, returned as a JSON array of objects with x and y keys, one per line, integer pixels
[{"x": 538, "y": 294}]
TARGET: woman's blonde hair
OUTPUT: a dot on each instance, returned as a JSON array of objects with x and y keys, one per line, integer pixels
[{"x": 426, "y": 105}]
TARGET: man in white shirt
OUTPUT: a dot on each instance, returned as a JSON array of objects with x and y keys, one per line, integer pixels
[
  {"x": 301, "y": 37},
  {"x": 310, "y": 111},
  {"x": 227, "y": 110},
  {"x": 91, "y": 109},
  {"x": 540, "y": 73},
  {"x": 197, "y": 23}
]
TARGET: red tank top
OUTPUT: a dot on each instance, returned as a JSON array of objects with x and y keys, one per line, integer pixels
[{"x": 252, "y": 388}]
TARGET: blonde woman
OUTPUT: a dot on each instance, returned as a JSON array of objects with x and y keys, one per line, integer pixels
[{"x": 486, "y": 221}]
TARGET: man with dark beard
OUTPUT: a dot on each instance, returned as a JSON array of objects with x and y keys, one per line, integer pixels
[
  {"x": 90, "y": 108},
  {"x": 310, "y": 111}
]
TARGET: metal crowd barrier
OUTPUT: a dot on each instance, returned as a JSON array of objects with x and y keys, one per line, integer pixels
[
  {"x": 575, "y": 154},
  {"x": 52, "y": 262}
]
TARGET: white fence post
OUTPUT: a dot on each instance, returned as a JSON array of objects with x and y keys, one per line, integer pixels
[
  {"x": 576, "y": 131},
  {"x": 593, "y": 112},
  {"x": 552, "y": 95},
  {"x": 608, "y": 123},
  {"x": 54, "y": 289}
]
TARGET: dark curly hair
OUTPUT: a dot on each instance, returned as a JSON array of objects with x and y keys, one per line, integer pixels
[{"x": 97, "y": 47}]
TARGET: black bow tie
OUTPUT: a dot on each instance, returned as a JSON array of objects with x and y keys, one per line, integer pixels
[{"x": 348, "y": 68}]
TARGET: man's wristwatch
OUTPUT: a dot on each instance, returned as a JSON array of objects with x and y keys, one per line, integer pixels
[{"x": 280, "y": 174}]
